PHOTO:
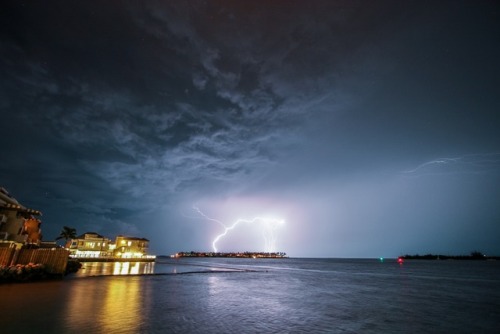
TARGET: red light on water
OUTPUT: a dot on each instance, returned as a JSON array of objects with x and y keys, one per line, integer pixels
[{"x": 400, "y": 260}]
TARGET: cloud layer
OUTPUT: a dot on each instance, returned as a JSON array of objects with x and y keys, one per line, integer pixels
[{"x": 124, "y": 117}]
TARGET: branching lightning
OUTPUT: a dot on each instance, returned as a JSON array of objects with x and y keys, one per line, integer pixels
[
  {"x": 466, "y": 164},
  {"x": 195, "y": 208},
  {"x": 268, "y": 225}
]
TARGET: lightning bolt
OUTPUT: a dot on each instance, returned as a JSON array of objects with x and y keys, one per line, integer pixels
[
  {"x": 470, "y": 163},
  {"x": 195, "y": 208},
  {"x": 269, "y": 226}
]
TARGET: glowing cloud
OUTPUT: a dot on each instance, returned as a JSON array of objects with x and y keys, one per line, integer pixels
[{"x": 267, "y": 226}]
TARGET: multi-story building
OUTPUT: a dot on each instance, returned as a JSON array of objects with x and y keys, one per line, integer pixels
[
  {"x": 18, "y": 224},
  {"x": 92, "y": 245},
  {"x": 130, "y": 247},
  {"x": 19, "y": 228},
  {"x": 89, "y": 245}
]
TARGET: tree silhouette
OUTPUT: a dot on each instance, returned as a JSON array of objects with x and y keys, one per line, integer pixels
[
  {"x": 67, "y": 233},
  {"x": 477, "y": 255}
]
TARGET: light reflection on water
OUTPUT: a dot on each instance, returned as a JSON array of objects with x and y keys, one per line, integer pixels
[
  {"x": 115, "y": 268},
  {"x": 107, "y": 307},
  {"x": 288, "y": 296}
]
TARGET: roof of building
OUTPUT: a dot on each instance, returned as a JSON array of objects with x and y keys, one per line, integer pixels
[
  {"x": 97, "y": 235},
  {"x": 131, "y": 238},
  {"x": 10, "y": 203}
]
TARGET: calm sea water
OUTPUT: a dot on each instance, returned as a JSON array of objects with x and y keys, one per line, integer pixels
[{"x": 261, "y": 296}]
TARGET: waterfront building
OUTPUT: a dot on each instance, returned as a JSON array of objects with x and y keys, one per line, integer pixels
[
  {"x": 89, "y": 245},
  {"x": 130, "y": 247},
  {"x": 19, "y": 225}
]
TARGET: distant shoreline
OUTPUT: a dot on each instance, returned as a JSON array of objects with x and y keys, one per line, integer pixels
[
  {"x": 473, "y": 256},
  {"x": 254, "y": 255}
]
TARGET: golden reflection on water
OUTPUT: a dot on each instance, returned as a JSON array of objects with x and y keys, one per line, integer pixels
[
  {"x": 110, "y": 305},
  {"x": 116, "y": 268},
  {"x": 122, "y": 268}
]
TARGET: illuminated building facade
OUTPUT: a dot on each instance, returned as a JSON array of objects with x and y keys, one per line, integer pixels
[
  {"x": 130, "y": 247},
  {"x": 92, "y": 245},
  {"x": 18, "y": 224},
  {"x": 89, "y": 245}
]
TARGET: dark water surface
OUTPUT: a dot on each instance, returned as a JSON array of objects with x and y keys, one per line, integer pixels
[{"x": 261, "y": 296}]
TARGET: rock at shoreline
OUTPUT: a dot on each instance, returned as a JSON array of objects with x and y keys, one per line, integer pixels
[
  {"x": 73, "y": 266},
  {"x": 22, "y": 273}
]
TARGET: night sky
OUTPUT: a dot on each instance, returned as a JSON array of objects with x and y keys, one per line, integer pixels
[{"x": 372, "y": 128}]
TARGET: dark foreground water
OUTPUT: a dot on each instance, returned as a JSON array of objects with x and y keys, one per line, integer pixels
[{"x": 261, "y": 296}]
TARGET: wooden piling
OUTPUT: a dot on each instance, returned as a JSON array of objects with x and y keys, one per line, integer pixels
[{"x": 6, "y": 255}]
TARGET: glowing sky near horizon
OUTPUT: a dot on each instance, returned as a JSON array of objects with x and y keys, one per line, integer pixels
[
  {"x": 371, "y": 128},
  {"x": 265, "y": 227}
]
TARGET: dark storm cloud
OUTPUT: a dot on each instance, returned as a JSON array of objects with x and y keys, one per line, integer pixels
[
  {"x": 122, "y": 113},
  {"x": 87, "y": 106}
]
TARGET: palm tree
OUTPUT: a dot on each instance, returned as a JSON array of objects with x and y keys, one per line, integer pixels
[{"x": 67, "y": 233}]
